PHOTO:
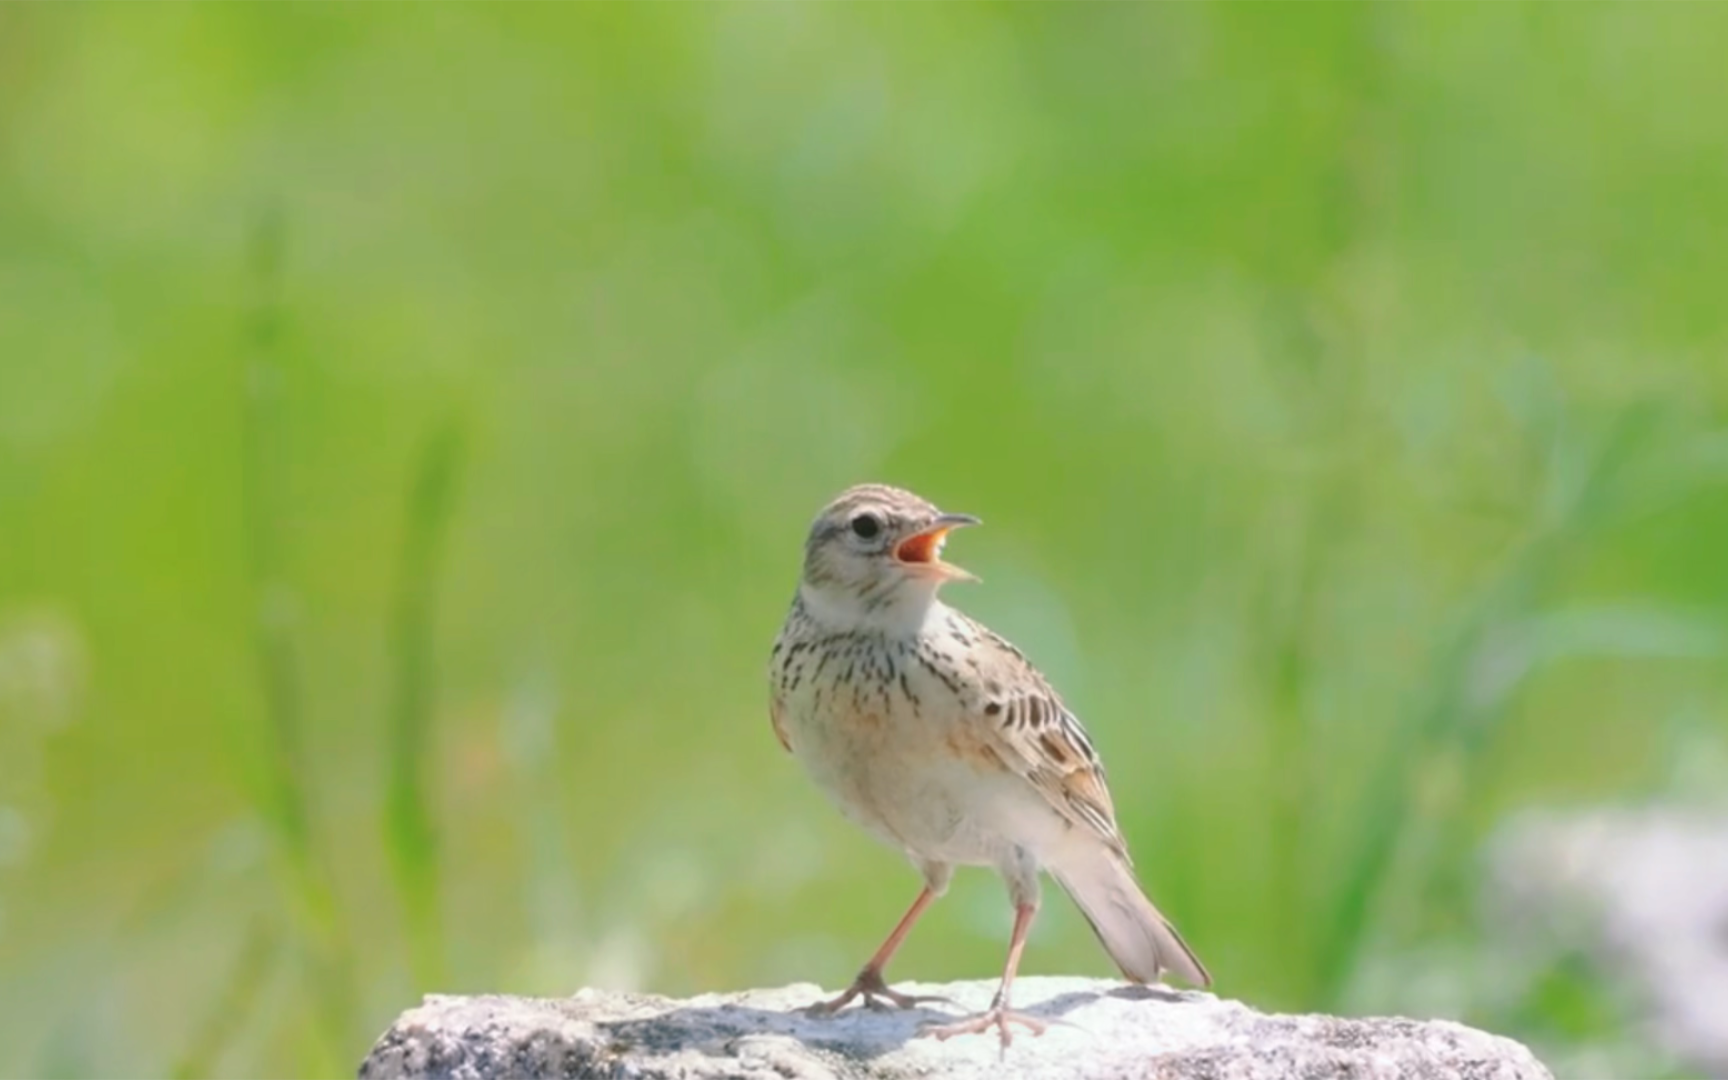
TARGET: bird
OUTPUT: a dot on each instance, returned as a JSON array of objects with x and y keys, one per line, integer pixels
[{"x": 939, "y": 737}]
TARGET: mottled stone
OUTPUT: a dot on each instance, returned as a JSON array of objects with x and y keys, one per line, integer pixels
[{"x": 1098, "y": 1029}]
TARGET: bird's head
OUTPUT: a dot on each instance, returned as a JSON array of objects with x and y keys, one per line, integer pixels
[{"x": 875, "y": 552}]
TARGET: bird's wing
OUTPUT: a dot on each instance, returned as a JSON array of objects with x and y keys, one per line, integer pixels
[{"x": 1034, "y": 734}]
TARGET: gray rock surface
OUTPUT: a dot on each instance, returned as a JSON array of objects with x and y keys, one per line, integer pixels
[{"x": 1098, "y": 1029}]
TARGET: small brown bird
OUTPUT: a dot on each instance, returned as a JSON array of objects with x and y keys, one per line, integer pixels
[{"x": 942, "y": 739}]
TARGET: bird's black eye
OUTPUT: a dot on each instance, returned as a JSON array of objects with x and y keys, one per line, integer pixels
[{"x": 866, "y": 526}]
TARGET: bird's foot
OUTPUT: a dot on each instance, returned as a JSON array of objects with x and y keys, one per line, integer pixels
[
  {"x": 998, "y": 1016},
  {"x": 876, "y": 994}
]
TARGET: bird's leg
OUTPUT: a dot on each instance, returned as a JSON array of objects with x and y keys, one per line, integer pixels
[
  {"x": 869, "y": 984},
  {"x": 999, "y": 1015}
]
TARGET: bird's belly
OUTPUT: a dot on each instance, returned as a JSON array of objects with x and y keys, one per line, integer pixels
[{"x": 893, "y": 774}]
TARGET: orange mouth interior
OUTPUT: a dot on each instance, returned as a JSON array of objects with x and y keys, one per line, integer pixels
[{"x": 923, "y": 548}]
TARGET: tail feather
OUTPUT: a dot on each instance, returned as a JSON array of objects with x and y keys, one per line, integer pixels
[{"x": 1134, "y": 933}]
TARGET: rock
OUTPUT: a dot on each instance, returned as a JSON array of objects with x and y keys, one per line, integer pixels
[
  {"x": 1642, "y": 891},
  {"x": 1098, "y": 1029}
]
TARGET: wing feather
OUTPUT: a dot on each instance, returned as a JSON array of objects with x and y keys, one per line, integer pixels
[{"x": 1037, "y": 736}]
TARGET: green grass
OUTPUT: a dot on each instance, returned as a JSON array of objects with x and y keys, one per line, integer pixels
[
  {"x": 410, "y": 828},
  {"x": 386, "y": 577},
  {"x": 284, "y": 776}
]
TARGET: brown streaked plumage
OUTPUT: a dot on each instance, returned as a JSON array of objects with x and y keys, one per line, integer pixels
[{"x": 938, "y": 736}]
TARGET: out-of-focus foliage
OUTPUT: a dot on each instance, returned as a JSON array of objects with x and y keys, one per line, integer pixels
[{"x": 409, "y": 417}]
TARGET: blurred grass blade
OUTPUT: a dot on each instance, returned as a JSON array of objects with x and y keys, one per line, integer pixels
[
  {"x": 1474, "y": 674},
  {"x": 1622, "y": 630},
  {"x": 285, "y": 771},
  {"x": 236, "y": 999},
  {"x": 410, "y": 825},
  {"x": 1388, "y": 801}
]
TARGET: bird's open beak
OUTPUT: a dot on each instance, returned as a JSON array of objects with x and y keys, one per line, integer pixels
[{"x": 922, "y": 551}]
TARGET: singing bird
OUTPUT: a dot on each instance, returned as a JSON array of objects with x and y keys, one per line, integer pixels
[{"x": 940, "y": 738}]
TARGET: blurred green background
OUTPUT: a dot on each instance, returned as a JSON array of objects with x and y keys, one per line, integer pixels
[{"x": 410, "y": 416}]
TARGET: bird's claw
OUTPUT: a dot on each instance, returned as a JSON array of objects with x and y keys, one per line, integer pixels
[
  {"x": 997, "y": 1016},
  {"x": 875, "y": 992}
]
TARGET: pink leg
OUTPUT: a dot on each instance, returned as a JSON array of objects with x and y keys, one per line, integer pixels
[
  {"x": 869, "y": 984},
  {"x": 999, "y": 1015}
]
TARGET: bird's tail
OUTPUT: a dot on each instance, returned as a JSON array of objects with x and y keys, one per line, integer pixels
[{"x": 1134, "y": 933}]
